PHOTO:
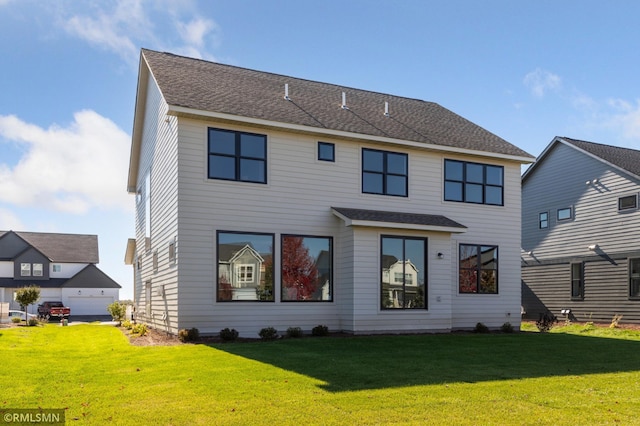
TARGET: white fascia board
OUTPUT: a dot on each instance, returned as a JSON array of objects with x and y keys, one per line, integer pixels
[{"x": 190, "y": 112}]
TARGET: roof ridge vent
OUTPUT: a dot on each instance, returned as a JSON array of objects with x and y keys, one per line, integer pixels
[
  {"x": 344, "y": 101},
  {"x": 286, "y": 92}
]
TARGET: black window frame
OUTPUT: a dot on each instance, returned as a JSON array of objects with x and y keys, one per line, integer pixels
[
  {"x": 464, "y": 181},
  {"x": 267, "y": 295},
  {"x": 634, "y": 277},
  {"x": 283, "y": 299},
  {"x": 332, "y": 157},
  {"x": 478, "y": 268},
  {"x": 577, "y": 280},
  {"x": 385, "y": 172},
  {"x": 635, "y": 203},
  {"x": 404, "y": 239},
  {"x": 566, "y": 218},
  {"x": 237, "y": 156},
  {"x": 542, "y": 221}
]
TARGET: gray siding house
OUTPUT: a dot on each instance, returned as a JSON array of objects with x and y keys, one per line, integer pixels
[
  {"x": 62, "y": 265},
  {"x": 581, "y": 232},
  {"x": 267, "y": 200}
]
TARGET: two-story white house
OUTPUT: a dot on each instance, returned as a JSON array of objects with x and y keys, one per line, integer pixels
[
  {"x": 581, "y": 232},
  {"x": 64, "y": 266},
  {"x": 267, "y": 200}
]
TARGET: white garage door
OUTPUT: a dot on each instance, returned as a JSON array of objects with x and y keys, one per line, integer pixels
[{"x": 96, "y": 305}]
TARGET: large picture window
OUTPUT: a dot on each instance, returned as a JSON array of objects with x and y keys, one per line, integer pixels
[
  {"x": 237, "y": 156},
  {"x": 307, "y": 269},
  {"x": 478, "y": 269},
  {"x": 245, "y": 267},
  {"x": 384, "y": 173},
  {"x": 404, "y": 272},
  {"x": 473, "y": 183},
  {"x": 634, "y": 278}
]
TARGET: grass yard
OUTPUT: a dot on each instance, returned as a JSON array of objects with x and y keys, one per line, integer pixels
[{"x": 573, "y": 375}]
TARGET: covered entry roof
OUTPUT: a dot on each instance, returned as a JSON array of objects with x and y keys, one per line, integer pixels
[{"x": 398, "y": 220}]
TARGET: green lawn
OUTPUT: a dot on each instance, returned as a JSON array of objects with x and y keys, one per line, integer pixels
[{"x": 567, "y": 377}]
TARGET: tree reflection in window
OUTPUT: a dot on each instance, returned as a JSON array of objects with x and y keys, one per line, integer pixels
[
  {"x": 306, "y": 268},
  {"x": 478, "y": 269}
]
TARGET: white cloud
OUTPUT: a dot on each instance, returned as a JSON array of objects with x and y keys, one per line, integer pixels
[
  {"x": 9, "y": 220},
  {"x": 126, "y": 25},
  {"x": 72, "y": 169},
  {"x": 540, "y": 81},
  {"x": 626, "y": 117}
]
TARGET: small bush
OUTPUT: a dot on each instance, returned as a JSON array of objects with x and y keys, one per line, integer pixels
[
  {"x": 481, "y": 328},
  {"x": 188, "y": 335},
  {"x": 507, "y": 328},
  {"x": 320, "y": 330},
  {"x": 546, "y": 322},
  {"x": 615, "y": 321},
  {"x": 588, "y": 326},
  {"x": 139, "y": 329},
  {"x": 32, "y": 322},
  {"x": 229, "y": 335},
  {"x": 117, "y": 311},
  {"x": 294, "y": 332},
  {"x": 16, "y": 320},
  {"x": 126, "y": 324},
  {"x": 268, "y": 333}
]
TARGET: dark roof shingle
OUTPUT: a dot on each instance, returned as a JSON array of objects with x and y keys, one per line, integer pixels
[
  {"x": 207, "y": 86},
  {"x": 68, "y": 248},
  {"x": 397, "y": 217},
  {"x": 626, "y": 158}
]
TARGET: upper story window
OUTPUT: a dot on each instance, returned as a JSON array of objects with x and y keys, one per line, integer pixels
[
  {"x": 238, "y": 156},
  {"x": 543, "y": 220},
  {"x": 25, "y": 269},
  {"x": 565, "y": 213},
  {"x": 384, "y": 172},
  {"x": 37, "y": 269},
  {"x": 57, "y": 268},
  {"x": 473, "y": 183},
  {"x": 630, "y": 202},
  {"x": 326, "y": 151}
]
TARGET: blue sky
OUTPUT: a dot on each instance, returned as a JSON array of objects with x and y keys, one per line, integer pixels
[{"x": 524, "y": 70}]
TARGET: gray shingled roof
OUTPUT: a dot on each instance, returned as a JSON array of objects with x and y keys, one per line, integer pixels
[
  {"x": 68, "y": 248},
  {"x": 396, "y": 217},
  {"x": 625, "y": 158},
  {"x": 207, "y": 86}
]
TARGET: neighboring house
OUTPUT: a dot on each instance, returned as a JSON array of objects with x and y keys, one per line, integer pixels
[
  {"x": 581, "y": 232},
  {"x": 266, "y": 200},
  {"x": 62, "y": 265}
]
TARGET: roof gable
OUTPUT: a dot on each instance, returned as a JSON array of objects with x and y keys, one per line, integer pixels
[
  {"x": 623, "y": 159},
  {"x": 91, "y": 277},
  {"x": 64, "y": 248}
]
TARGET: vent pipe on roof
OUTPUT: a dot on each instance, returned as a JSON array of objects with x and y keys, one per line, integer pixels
[
  {"x": 286, "y": 92},
  {"x": 386, "y": 109},
  {"x": 344, "y": 101}
]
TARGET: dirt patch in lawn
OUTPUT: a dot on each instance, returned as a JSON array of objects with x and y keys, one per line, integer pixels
[{"x": 152, "y": 337}]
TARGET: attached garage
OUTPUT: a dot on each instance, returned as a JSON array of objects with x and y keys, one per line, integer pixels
[{"x": 89, "y": 305}]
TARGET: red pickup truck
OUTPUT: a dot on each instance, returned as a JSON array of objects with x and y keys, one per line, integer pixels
[{"x": 53, "y": 309}]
